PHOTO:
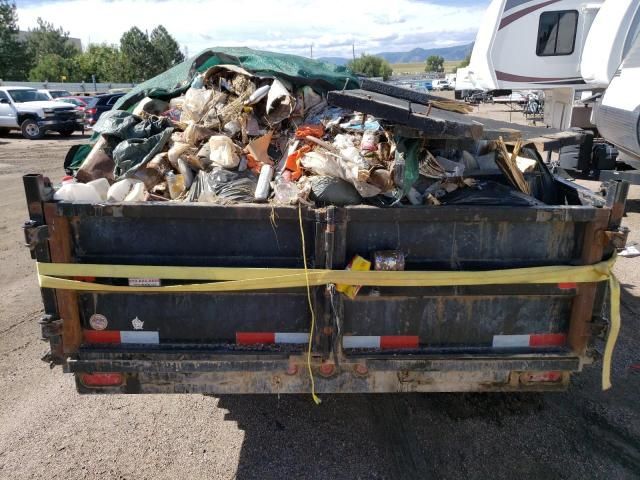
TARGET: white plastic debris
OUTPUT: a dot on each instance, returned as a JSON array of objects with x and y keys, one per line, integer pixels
[
  {"x": 136, "y": 194},
  {"x": 223, "y": 151},
  {"x": 630, "y": 251},
  {"x": 101, "y": 186},
  {"x": 258, "y": 95},
  {"x": 77, "y": 192},
  {"x": 119, "y": 191}
]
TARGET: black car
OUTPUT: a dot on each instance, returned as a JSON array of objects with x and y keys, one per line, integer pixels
[{"x": 98, "y": 105}]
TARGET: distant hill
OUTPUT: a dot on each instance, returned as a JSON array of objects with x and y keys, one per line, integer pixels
[{"x": 457, "y": 52}]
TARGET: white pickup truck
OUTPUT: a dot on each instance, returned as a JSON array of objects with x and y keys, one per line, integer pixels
[{"x": 28, "y": 110}]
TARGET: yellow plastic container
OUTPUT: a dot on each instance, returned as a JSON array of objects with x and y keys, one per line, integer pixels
[{"x": 359, "y": 264}]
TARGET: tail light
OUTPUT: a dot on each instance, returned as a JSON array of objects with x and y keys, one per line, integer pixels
[
  {"x": 91, "y": 111},
  {"x": 541, "y": 377},
  {"x": 101, "y": 379}
]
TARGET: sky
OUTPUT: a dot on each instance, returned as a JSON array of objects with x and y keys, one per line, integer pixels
[{"x": 289, "y": 26}]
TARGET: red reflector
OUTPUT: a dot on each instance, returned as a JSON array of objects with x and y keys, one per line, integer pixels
[
  {"x": 253, "y": 338},
  {"x": 399, "y": 341},
  {"x": 567, "y": 286},
  {"x": 548, "y": 340},
  {"x": 85, "y": 279},
  {"x": 542, "y": 376},
  {"x": 101, "y": 379},
  {"x": 103, "y": 336}
]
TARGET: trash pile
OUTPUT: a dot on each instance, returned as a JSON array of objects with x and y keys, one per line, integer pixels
[{"x": 234, "y": 137}]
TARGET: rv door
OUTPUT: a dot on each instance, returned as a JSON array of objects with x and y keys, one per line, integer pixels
[{"x": 535, "y": 44}]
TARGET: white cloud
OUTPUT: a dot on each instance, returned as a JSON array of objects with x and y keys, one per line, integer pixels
[{"x": 286, "y": 25}]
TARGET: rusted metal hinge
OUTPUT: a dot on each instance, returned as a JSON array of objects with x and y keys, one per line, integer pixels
[
  {"x": 51, "y": 331},
  {"x": 34, "y": 234},
  {"x": 50, "y": 327}
]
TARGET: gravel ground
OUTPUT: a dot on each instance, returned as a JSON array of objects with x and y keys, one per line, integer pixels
[{"x": 49, "y": 431}]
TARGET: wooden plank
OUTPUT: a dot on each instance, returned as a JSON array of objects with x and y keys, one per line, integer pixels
[
  {"x": 433, "y": 123},
  {"x": 61, "y": 250},
  {"x": 399, "y": 92},
  {"x": 554, "y": 141}
]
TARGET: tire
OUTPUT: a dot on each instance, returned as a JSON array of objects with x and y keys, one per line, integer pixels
[
  {"x": 31, "y": 130},
  {"x": 67, "y": 132}
]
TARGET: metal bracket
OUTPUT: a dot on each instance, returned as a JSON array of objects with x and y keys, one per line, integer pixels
[
  {"x": 51, "y": 331},
  {"x": 34, "y": 235},
  {"x": 617, "y": 238},
  {"x": 599, "y": 327},
  {"x": 50, "y": 327}
]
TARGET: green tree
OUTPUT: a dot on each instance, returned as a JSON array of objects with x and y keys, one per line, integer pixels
[
  {"x": 104, "y": 61},
  {"x": 167, "y": 49},
  {"x": 46, "y": 39},
  {"x": 371, "y": 66},
  {"x": 14, "y": 61},
  {"x": 52, "y": 67},
  {"x": 435, "y": 63},
  {"x": 139, "y": 56},
  {"x": 465, "y": 63}
]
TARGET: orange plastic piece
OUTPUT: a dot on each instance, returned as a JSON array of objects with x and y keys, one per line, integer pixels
[
  {"x": 293, "y": 162},
  {"x": 253, "y": 164},
  {"x": 310, "y": 130}
]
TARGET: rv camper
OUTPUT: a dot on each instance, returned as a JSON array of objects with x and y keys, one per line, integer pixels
[{"x": 571, "y": 49}]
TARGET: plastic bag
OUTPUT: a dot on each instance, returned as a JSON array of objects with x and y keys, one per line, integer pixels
[
  {"x": 196, "y": 104},
  {"x": 338, "y": 167},
  {"x": 285, "y": 192},
  {"x": 223, "y": 151},
  {"x": 125, "y": 126},
  {"x": 333, "y": 191},
  {"x": 134, "y": 153},
  {"x": 329, "y": 165},
  {"x": 194, "y": 134},
  {"x": 223, "y": 186},
  {"x": 115, "y": 123}
]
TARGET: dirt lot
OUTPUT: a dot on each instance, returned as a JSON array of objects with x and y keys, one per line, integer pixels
[{"x": 48, "y": 431}]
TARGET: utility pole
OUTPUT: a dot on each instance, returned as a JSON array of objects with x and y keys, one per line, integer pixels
[
  {"x": 311, "y": 46},
  {"x": 353, "y": 49}
]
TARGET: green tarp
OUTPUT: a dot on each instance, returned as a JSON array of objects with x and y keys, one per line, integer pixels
[
  {"x": 322, "y": 76},
  {"x": 298, "y": 70}
]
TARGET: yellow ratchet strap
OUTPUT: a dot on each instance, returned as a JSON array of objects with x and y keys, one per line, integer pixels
[{"x": 223, "y": 279}]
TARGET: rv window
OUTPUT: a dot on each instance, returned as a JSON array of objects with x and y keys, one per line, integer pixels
[{"x": 557, "y": 33}]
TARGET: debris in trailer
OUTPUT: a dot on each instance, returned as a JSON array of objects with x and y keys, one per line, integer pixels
[
  {"x": 232, "y": 136},
  {"x": 359, "y": 264}
]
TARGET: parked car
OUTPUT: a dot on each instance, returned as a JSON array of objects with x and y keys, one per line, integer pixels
[
  {"x": 513, "y": 97},
  {"x": 441, "y": 85},
  {"x": 54, "y": 94},
  {"x": 81, "y": 103},
  {"x": 100, "y": 104},
  {"x": 31, "y": 111}
]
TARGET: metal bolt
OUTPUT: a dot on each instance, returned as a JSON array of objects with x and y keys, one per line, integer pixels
[
  {"x": 327, "y": 369},
  {"x": 361, "y": 369}
]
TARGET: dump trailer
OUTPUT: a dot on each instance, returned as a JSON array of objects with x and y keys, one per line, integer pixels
[{"x": 133, "y": 303}]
